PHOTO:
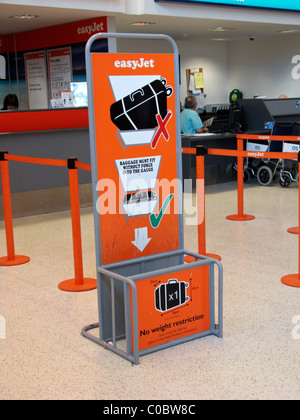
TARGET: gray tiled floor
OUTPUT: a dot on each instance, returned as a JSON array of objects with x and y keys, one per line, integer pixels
[{"x": 44, "y": 356}]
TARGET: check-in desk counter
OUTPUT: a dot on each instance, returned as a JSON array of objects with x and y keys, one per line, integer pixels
[
  {"x": 284, "y": 110},
  {"x": 50, "y": 134},
  {"x": 217, "y": 168}
]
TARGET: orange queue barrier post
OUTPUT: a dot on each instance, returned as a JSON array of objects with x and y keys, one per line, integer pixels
[
  {"x": 78, "y": 283},
  {"x": 240, "y": 154},
  {"x": 290, "y": 279},
  {"x": 240, "y": 164},
  {"x": 276, "y": 155},
  {"x": 294, "y": 279},
  {"x": 240, "y": 216},
  {"x": 200, "y": 152},
  {"x": 294, "y": 230},
  {"x": 11, "y": 258},
  {"x": 200, "y": 171}
]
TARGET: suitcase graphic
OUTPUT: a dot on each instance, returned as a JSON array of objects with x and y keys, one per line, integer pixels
[
  {"x": 139, "y": 203},
  {"x": 139, "y": 195},
  {"x": 170, "y": 295},
  {"x": 138, "y": 110}
]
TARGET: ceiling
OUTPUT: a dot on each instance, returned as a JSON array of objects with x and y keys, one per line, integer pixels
[{"x": 178, "y": 28}]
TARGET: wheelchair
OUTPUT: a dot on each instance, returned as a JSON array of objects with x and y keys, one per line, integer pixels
[{"x": 286, "y": 171}]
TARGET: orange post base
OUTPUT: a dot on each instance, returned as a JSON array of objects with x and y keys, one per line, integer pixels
[
  {"x": 240, "y": 218},
  {"x": 17, "y": 260},
  {"x": 291, "y": 280},
  {"x": 215, "y": 256},
  {"x": 71, "y": 286},
  {"x": 294, "y": 230}
]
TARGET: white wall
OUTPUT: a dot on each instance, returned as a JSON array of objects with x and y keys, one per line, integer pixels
[
  {"x": 211, "y": 56},
  {"x": 264, "y": 66},
  {"x": 259, "y": 67}
]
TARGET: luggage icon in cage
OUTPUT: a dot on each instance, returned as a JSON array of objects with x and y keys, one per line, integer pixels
[{"x": 171, "y": 295}]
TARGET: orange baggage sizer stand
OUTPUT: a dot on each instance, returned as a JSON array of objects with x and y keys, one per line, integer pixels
[{"x": 148, "y": 297}]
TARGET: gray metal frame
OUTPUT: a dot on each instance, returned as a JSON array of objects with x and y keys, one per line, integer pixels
[{"x": 117, "y": 293}]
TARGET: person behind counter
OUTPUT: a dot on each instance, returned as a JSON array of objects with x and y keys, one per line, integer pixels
[
  {"x": 11, "y": 102},
  {"x": 190, "y": 120}
]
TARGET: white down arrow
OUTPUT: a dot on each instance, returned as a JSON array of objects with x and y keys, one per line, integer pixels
[{"x": 141, "y": 238}]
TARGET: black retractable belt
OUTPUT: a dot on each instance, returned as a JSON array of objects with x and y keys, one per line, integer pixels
[{"x": 2, "y": 154}]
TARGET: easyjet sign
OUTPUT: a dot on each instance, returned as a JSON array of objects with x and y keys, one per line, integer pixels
[
  {"x": 69, "y": 33},
  {"x": 90, "y": 29},
  {"x": 133, "y": 64}
]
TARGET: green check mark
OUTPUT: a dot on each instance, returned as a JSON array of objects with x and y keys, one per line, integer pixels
[{"x": 155, "y": 220}]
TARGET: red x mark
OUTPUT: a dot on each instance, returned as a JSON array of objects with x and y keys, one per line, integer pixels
[{"x": 161, "y": 129}]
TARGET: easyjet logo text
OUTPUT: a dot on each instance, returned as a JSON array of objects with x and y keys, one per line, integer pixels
[
  {"x": 95, "y": 27},
  {"x": 134, "y": 64},
  {"x": 255, "y": 154}
]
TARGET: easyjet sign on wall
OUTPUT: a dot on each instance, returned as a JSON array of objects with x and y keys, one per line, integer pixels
[{"x": 69, "y": 33}]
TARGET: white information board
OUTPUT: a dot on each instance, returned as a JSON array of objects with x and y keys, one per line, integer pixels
[
  {"x": 36, "y": 78},
  {"x": 60, "y": 71}
]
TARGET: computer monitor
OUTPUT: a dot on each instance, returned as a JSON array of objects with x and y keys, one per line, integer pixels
[{"x": 80, "y": 96}]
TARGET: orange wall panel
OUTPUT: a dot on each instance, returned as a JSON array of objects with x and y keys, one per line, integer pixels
[{"x": 14, "y": 122}]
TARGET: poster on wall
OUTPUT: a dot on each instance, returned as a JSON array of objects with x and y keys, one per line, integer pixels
[
  {"x": 60, "y": 71},
  {"x": 2, "y": 57},
  {"x": 36, "y": 79}
]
